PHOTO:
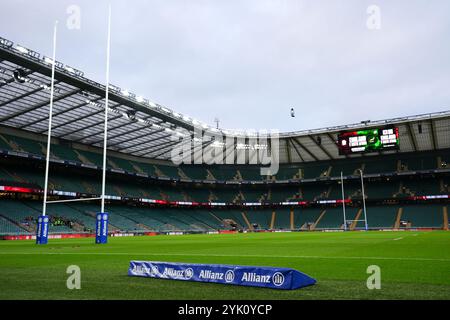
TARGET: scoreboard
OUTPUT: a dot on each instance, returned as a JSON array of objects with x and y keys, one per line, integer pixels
[{"x": 370, "y": 140}]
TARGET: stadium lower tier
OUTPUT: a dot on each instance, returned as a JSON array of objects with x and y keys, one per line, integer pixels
[{"x": 19, "y": 217}]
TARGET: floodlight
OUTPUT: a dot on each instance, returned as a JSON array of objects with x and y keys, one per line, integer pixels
[
  {"x": 48, "y": 60},
  {"x": 70, "y": 69},
  {"x": 21, "y": 49},
  {"x": 166, "y": 110}
]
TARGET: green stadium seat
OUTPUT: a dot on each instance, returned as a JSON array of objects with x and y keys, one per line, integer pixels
[{"x": 424, "y": 215}]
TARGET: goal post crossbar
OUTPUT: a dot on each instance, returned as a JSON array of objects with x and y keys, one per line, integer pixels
[{"x": 74, "y": 200}]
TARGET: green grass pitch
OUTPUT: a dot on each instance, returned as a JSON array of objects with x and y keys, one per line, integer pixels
[{"x": 414, "y": 265}]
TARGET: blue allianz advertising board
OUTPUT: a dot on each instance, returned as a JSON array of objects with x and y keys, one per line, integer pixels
[
  {"x": 101, "y": 228},
  {"x": 267, "y": 277},
  {"x": 42, "y": 230}
]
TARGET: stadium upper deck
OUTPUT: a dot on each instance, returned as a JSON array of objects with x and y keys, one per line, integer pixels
[{"x": 146, "y": 129}]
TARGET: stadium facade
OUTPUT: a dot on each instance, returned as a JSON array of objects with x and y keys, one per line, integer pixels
[{"x": 404, "y": 187}]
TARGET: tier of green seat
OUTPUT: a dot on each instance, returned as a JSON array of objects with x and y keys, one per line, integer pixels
[
  {"x": 116, "y": 219},
  {"x": 224, "y": 173},
  {"x": 19, "y": 212},
  {"x": 351, "y": 190},
  {"x": 251, "y": 173},
  {"x": 4, "y": 143},
  {"x": 347, "y": 168},
  {"x": 195, "y": 172},
  {"x": 5, "y": 176},
  {"x": 152, "y": 192},
  {"x": 424, "y": 215},
  {"x": 65, "y": 181},
  {"x": 59, "y": 229},
  {"x": 235, "y": 215},
  {"x": 26, "y": 212},
  {"x": 229, "y": 172},
  {"x": 373, "y": 166},
  {"x": 381, "y": 190},
  {"x": 142, "y": 215},
  {"x": 314, "y": 170},
  {"x": 171, "y": 218},
  {"x": 198, "y": 195},
  {"x": 173, "y": 194},
  {"x": 168, "y": 171},
  {"x": 20, "y": 144},
  {"x": 282, "y": 219},
  {"x": 226, "y": 195},
  {"x": 16, "y": 216},
  {"x": 185, "y": 221},
  {"x": 188, "y": 217},
  {"x": 381, "y": 216},
  {"x": 445, "y": 185},
  {"x": 205, "y": 218},
  {"x": 280, "y": 195},
  {"x": 15, "y": 143},
  {"x": 422, "y": 187},
  {"x": 147, "y": 168},
  {"x": 7, "y": 227},
  {"x": 252, "y": 195},
  {"x": 311, "y": 192},
  {"x": 305, "y": 216},
  {"x": 420, "y": 162},
  {"x": 260, "y": 217},
  {"x": 25, "y": 175},
  {"x": 334, "y": 218},
  {"x": 119, "y": 163},
  {"x": 64, "y": 152},
  {"x": 287, "y": 172},
  {"x": 66, "y": 211}
]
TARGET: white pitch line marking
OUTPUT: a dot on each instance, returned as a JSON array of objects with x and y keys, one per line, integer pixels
[
  {"x": 220, "y": 255},
  {"x": 398, "y": 239}
]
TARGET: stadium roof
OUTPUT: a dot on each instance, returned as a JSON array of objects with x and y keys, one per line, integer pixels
[{"x": 142, "y": 128}]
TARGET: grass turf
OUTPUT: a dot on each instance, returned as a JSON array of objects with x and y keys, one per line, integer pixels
[{"x": 414, "y": 265}]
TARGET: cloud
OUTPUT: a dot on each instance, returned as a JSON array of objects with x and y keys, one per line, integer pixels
[{"x": 248, "y": 62}]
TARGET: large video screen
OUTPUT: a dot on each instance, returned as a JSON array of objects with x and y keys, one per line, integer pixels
[{"x": 370, "y": 140}]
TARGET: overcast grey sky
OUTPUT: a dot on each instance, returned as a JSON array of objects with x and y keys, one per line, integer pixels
[{"x": 248, "y": 62}]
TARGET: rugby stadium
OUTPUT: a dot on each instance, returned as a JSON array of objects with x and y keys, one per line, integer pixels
[{"x": 342, "y": 198}]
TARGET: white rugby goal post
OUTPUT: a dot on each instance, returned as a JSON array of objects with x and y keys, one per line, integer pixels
[
  {"x": 49, "y": 131},
  {"x": 363, "y": 200}
]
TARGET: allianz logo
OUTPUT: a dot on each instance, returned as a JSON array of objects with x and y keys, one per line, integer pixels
[
  {"x": 185, "y": 274},
  {"x": 277, "y": 279},
  {"x": 144, "y": 270},
  {"x": 210, "y": 275}
]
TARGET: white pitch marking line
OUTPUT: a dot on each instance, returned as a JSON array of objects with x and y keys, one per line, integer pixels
[
  {"x": 398, "y": 239},
  {"x": 220, "y": 255}
]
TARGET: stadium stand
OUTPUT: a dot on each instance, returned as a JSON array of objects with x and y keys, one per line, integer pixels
[
  {"x": 147, "y": 192},
  {"x": 423, "y": 216},
  {"x": 80, "y": 217}
]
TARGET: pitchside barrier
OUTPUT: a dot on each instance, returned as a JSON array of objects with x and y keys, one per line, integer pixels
[{"x": 267, "y": 277}]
